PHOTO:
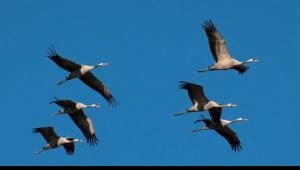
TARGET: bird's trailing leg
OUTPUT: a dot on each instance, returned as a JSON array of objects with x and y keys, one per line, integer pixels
[
  {"x": 182, "y": 113},
  {"x": 190, "y": 110},
  {"x": 60, "y": 112},
  {"x": 42, "y": 150},
  {"x": 61, "y": 82},
  {"x": 210, "y": 68},
  {"x": 67, "y": 78},
  {"x": 204, "y": 70}
]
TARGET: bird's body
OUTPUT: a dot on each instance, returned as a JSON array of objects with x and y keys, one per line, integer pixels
[
  {"x": 83, "y": 72},
  {"x": 75, "y": 111},
  {"x": 76, "y": 107},
  {"x": 222, "y": 122},
  {"x": 201, "y": 102},
  {"x": 223, "y": 60},
  {"x": 84, "y": 69},
  {"x": 222, "y": 129},
  {"x": 55, "y": 141}
]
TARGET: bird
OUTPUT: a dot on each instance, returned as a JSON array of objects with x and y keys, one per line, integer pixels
[
  {"x": 83, "y": 72},
  {"x": 75, "y": 111},
  {"x": 201, "y": 102},
  {"x": 225, "y": 122},
  {"x": 222, "y": 129},
  {"x": 219, "y": 51},
  {"x": 55, "y": 141}
]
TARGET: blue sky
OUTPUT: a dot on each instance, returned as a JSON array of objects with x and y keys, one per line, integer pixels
[{"x": 151, "y": 45}]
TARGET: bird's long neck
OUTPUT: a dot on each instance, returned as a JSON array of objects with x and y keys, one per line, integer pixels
[
  {"x": 227, "y": 122},
  {"x": 81, "y": 106},
  {"x": 238, "y": 120},
  {"x": 210, "y": 105}
]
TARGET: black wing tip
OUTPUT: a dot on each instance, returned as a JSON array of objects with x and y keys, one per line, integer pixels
[
  {"x": 70, "y": 150},
  {"x": 237, "y": 147},
  {"x": 35, "y": 130},
  {"x": 70, "y": 153},
  {"x": 244, "y": 70},
  {"x": 184, "y": 82},
  {"x": 39, "y": 129},
  {"x": 55, "y": 100},
  {"x": 185, "y": 85},
  {"x": 241, "y": 68},
  {"x": 208, "y": 25},
  {"x": 52, "y": 53},
  {"x": 112, "y": 102},
  {"x": 92, "y": 140}
]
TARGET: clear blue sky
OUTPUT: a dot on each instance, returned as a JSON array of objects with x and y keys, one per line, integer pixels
[{"x": 151, "y": 45}]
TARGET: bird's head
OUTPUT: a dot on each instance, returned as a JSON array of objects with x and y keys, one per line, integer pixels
[
  {"x": 78, "y": 140},
  {"x": 232, "y": 105},
  {"x": 94, "y": 106},
  {"x": 102, "y": 64},
  {"x": 252, "y": 60},
  {"x": 242, "y": 119}
]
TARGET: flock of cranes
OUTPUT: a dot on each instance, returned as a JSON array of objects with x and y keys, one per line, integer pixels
[
  {"x": 75, "y": 109},
  {"x": 223, "y": 61}
]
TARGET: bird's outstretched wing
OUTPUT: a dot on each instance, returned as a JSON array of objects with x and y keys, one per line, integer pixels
[
  {"x": 217, "y": 43},
  {"x": 195, "y": 92},
  {"x": 69, "y": 147},
  {"x": 64, "y": 63},
  {"x": 215, "y": 114},
  {"x": 231, "y": 137},
  {"x": 90, "y": 80},
  {"x": 85, "y": 125},
  {"x": 47, "y": 132},
  {"x": 64, "y": 103},
  {"x": 240, "y": 68}
]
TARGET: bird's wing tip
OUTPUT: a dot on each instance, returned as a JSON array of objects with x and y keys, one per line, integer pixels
[
  {"x": 112, "y": 101},
  {"x": 92, "y": 140},
  {"x": 35, "y": 130}
]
